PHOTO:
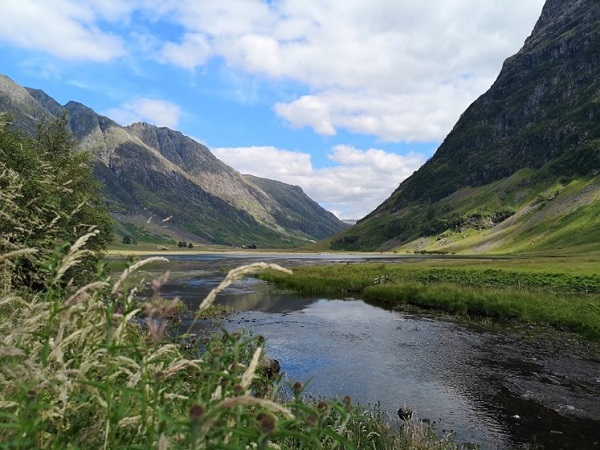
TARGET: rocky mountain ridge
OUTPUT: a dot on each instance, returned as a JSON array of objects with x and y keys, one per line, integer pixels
[
  {"x": 533, "y": 137},
  {"x": 152, "y": 174}
]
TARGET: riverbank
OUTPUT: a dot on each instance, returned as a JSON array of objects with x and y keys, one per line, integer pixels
[
  {"x": 100, "y": 366},
  {"x": 563, "y": 294}
]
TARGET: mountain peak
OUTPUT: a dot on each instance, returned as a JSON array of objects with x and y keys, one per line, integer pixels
[
  {"x": 540, "y": 117},
  {"x": 156, "y": 172}
]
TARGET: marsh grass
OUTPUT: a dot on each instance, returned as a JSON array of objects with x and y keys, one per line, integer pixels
[
  {"x": 95, "y": 367},
  {"x": 556, "y": 294}
]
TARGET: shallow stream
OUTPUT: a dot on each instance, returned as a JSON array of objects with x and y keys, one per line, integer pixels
[{"x": 501, "y": 389}]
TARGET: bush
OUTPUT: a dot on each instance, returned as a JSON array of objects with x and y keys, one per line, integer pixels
[{"x": 48, "y": 197}]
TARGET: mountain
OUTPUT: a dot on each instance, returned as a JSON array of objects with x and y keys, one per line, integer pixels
[
  {"x": 519, "y": 170},
  {"x": 298, "y": 207},
  {"x": 164, "y": 186}
]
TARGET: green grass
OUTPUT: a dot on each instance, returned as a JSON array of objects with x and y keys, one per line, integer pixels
[
  {"x": 96, "y": 366},
  {"x": 561, "y": 293},
  {"x": 140, "y": 235},
  {"x": 530, "y": 212}
]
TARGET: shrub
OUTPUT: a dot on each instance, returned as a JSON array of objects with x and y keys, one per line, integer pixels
[{"x": 47, "y": 199}]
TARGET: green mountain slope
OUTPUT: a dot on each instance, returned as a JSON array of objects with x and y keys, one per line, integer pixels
[
  {"x": 297, "y": 207},
  {"x": 520, "y": 166},
  {"x": 166, "y": 186}
]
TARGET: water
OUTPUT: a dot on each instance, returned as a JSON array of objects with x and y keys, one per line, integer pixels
[{"x": 485, "y": 387}]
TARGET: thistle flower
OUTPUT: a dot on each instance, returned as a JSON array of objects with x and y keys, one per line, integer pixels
[{"x": 266, "y": 423}]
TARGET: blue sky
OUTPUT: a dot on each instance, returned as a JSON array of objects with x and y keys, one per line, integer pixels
[{"x": 343, "y": 98}]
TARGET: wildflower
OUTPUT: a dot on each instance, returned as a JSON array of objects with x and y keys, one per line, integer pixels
[
  {"x": 266, "y": 423},
  {"x": 196, "y": 413},
  {"x": 297, "y": 388},
  {"x": 348, "y": 403},
  {"x": 236, "y": 335}
]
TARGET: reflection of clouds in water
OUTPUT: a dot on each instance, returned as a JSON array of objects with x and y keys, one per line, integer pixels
[
  {"x": 353, "y": 310},
  {"x": 374, "y": 355}
]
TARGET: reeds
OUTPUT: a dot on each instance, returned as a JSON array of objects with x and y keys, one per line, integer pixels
[{"x": 93, "y": 367}]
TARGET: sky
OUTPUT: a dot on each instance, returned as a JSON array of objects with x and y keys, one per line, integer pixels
[{"x": 344, "y": 98}]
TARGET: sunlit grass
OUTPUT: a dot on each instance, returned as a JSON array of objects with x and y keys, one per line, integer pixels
[{"x": 564, "y": 294}]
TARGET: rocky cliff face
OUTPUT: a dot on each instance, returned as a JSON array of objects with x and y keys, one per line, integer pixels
[
  {"x": 153, "y": 173},
  {"x": 542, "y": 114}
]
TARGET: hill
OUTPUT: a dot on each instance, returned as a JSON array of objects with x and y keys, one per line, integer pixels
[
  {"x": 163, "y": 186},
  {"x": 519, "y": 171}
]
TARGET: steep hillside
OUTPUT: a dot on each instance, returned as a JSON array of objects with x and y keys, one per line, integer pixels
[
  {"x": 166, "y": 186},
  {"x": 531, "y": 141},
  {"x": 296, "y": 206},
  {"x": 24, "y": 108}
]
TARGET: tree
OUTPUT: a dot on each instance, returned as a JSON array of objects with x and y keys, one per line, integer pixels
[
  {"x": 48, "y": 199},
  {"x": 84, "y": 207},
  {"x": 126, "y": 240}
]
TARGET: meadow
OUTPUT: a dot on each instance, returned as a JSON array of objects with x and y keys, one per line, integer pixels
[{"x": 561, "y": 293}]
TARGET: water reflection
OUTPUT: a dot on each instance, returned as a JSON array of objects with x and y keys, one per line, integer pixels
[
  {"x": 443, "y": 371},
  {"x": 351, "y": 348}
]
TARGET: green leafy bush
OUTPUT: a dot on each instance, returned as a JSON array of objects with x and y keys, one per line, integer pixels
[{"x": 48, "y": 198}]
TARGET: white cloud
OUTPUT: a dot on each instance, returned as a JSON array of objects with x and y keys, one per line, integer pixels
[
  {"x": 399, "y": 70},
  {"x": 396, "y": 69},
  {"x": 409, "y": 117},
  {"x": 161, "y": 113},
  {"x": 192, "y": 52},
  {"x": 357, "y": 184},
  {"x": 64, "y": 28}
]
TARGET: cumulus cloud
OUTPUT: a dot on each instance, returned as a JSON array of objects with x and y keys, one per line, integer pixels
[
  {"x": 161, "y": 113},
  {"x": 408, "y": 117},
  {"x": 355, "y": 185},
  {"x": 192, "y": 52},
  {"x": 401, "y": 71},
  {"x": 64, "y": 28},
  {"x": 397, "y": 70}
]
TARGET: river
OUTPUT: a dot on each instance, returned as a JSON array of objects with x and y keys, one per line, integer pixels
[{"x": 501, "y": 389}]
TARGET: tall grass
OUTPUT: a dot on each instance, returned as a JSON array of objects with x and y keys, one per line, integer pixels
[{"x": 96, "y": 367}]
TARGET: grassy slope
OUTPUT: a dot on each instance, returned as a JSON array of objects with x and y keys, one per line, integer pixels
[{"x": 550, "y": 218}]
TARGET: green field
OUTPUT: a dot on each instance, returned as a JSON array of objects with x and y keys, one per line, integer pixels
[{"x": 563, "y": 293}]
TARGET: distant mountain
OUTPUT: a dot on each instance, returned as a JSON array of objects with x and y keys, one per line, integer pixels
[
  {"x": 298, "y": 206},
  {"x": 163, "y": 185},
  {"x": 520, "y": 170}
]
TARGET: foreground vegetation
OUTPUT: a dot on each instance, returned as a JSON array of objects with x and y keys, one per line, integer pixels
[
  {"x": 94, "y": 367},
  {"x": 564, "y": 294},
  {"x": 86, "y": 363}
]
